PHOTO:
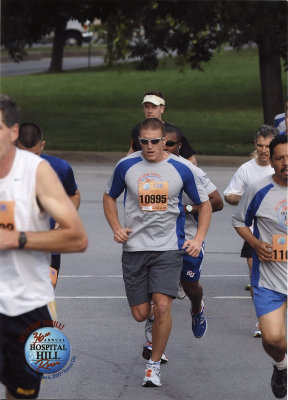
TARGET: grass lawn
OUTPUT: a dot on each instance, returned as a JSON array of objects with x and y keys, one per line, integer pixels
[{"x": 219, "y": 110}]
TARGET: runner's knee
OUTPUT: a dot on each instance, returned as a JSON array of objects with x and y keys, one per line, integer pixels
[
  {"x": 140, "y": 313},
  {"x": 273, "y": 339},
  {"x": 161, "y": 306}
]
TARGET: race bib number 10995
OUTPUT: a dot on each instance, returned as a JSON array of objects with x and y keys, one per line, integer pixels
[{"x": 153, "y": 196}]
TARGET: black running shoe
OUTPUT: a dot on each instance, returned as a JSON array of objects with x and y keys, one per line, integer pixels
[
  {"x": 147, "y": 352},
  {"x": 279, "y": 382}
]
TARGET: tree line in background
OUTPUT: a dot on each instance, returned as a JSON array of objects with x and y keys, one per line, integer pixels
[{"x": 189, "y": 30}]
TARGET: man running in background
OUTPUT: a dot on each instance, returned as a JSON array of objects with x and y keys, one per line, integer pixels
[
  {"x": 31, "y": 138},
  {"x": 265, "y": 203},
  {"x": 153, "y": 107},
  {"x": 281, "y": 120},
  {"x": 248, "y": 173}
]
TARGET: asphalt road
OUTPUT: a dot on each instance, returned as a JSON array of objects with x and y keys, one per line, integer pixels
[
  {"x": 42, "y": 65},
  {"x": 226, "y": 364}
]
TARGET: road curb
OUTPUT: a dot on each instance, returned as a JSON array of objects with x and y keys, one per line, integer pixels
[
  {"x": 114, "y": 156},
  {"x": 38, "y": 55}
]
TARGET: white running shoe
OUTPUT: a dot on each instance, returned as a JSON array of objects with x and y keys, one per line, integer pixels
[
  {"x": 257, "y": 332},
  {"x": 181, "y": 293},
  {"x": 148, "y": 329},
  {"x": 152, "y": 376}
]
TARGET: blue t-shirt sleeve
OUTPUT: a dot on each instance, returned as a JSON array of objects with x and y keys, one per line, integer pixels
[
  {"x": 255, "y": 204},
  {"x": 188, "y": 178},
  {"x": 69, "y": 181},
  {"x": 64, "y": 171},
  {"x": 117, "y": 182}
]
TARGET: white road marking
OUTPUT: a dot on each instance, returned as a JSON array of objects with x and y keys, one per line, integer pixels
[
  {"x": 124, "y": 297},
  {"x": 121, "y": 276}
]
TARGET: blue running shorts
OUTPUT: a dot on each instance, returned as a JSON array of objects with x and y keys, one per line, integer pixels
[
  {"x": 191, "y": 269},
  {"x": 267, "y": 300}
]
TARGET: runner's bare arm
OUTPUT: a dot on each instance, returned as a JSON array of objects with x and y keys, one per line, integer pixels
[
  {"x": 193, "y": 247},
  {"x": 52, "y": 198},
  {"x": 232, "y": 199},
  {"x": 192, "y": 159},
  {"x": 130, "y": 151},
  {"x": 111, "y": 214},
  {"x": 75, "y": 198},
  {"x": 263, "y": 249},
  {"x": 215, "y": 201}
]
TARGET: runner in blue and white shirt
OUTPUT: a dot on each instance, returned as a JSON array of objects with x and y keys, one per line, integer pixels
[
  {"x": 191, "y": 270},
  {"x": 265, "y": 204}
]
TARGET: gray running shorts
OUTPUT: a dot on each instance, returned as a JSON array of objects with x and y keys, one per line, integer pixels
[{"x": 148, "y": 272}]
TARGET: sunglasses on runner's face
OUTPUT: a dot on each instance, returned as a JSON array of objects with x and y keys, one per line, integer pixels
[
  {"x": 153, "y": 141},
  {"x": 171, "y": 143}
]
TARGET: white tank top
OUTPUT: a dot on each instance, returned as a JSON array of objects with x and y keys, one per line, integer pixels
[{"x": 24, "y": 275}]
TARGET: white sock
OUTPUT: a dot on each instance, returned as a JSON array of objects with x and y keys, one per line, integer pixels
[
  {"x": 282, "y": 364},
  {"x": 154, "y": 363}
]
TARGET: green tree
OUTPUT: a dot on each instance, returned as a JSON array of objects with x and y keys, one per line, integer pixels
[
  {"x": 265, "y": 23},
  {"x": 26, "y": 22},
  {"x": 189, "y": 30},
  {"x": 193, "y": 30}
]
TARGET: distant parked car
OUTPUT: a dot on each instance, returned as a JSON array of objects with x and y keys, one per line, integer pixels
[{"x": 75, "y": 34}]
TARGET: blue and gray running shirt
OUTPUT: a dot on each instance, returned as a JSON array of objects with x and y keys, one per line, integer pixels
[
  {"x": 265, "y": 203},
  {"x": 191, "y": 221},
  {"x": 153, "y": 206}
]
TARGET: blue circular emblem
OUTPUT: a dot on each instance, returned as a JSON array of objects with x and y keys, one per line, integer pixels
[
  {"x": 47, "y": 350},
  {"x": 281, "y": 240},
  {"x": 283, "y": 215}
]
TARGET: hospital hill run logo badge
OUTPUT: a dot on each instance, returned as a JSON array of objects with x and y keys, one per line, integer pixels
[{"x": 47, "y": 350}]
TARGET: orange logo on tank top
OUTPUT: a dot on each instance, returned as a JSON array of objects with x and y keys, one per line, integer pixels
[{"x": 7, "y": 220}]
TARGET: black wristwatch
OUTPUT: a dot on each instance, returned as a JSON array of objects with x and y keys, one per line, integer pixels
[{"x": 22, "y": 240}]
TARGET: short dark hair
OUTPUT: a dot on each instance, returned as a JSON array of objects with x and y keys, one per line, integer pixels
[
  {"x": 155, "y": 93},
  {"x": 174, "y": 129},
  {"x": 266, "y": 131},
  {"x": 30, "y": 134},
  {"x": 279, "y": 139},
  {"x": 153, "y": 124},
  {"x": 10, "y": 111}
]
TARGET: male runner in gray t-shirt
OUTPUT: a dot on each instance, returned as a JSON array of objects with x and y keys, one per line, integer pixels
[{"x": 153, "y": 233}]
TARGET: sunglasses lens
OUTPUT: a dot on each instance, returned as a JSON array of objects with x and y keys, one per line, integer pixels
[
  {"x": 153, "y": 141},
  {"x": 170, "y": 143}
]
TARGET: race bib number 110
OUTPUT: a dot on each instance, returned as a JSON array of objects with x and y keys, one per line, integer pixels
[{"x": 279, "y": 246}]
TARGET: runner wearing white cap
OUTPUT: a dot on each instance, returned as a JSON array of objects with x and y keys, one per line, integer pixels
[{"x": 153, "y": 107}]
